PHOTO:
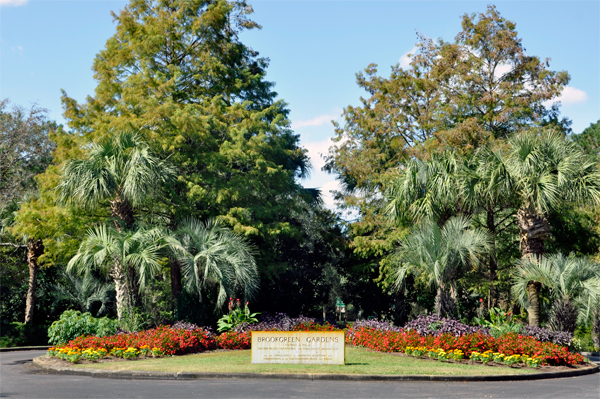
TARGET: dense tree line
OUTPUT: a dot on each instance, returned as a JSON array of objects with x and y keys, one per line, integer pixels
[
  {"x": 177, "y": 184},
  {"x": 464, "y": 132}
]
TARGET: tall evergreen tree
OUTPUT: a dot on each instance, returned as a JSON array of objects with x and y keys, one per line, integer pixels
[{"x": 177, "y": 71}]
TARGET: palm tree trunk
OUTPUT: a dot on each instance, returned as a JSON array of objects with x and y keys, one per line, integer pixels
[
  {"x": 493, "y": 265},
  {"x": 534, "y": 230},
  {"x": 445, "y": 305},
  {"x": 596, "y": 328},
  {"x": 122, "y": 212},
  {"x": 121, "y": 289},
  {"x": 533, "y": 296},
  {"x": 134, "y": 288},
  {"x": 175, "y": 279},
  {"x": 35, "y": 248}
]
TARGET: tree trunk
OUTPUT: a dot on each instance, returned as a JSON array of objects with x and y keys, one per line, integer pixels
[
  {"x": 121, "y": 289},
  {"x": 122, "y": 212},
  {"x": 596, "y": 328},
  {"x": 533, "y": 296},
  {"x": 493, "y": 264},
  {"x": 134, "y": 288},
  {"x": 445, "y": 305},
  {"x": 35, "y": 248},
  {"x": 534, "y": 230},
  {"x": 175, "y": 279}
]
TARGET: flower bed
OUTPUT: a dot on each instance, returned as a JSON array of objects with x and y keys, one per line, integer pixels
[
  {"x": 433, "y": 337},
  {"x": 157, "y": 342},
  {"x": 470, "y": 345},
  {"x": 180, "y": 339}
]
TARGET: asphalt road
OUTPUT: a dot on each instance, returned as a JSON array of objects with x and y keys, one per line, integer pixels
[{"x": 20, "y": 379}]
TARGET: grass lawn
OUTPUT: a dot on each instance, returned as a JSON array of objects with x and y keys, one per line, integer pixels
[{"x": 358, "y": 361}]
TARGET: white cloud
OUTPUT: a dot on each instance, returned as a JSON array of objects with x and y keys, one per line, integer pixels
[
  {"x": 15, "y": 3},
  {"x": 318, "y": 120},
  {"x": 327, "y": 195},
  {"x": 316, "y": 151},
  {"x": 571, "y": 95},
  {"x": 502, "y": 69},
  {"x": 405, "y": 59}
]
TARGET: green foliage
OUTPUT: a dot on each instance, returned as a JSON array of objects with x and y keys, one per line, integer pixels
[
  {"x": 500, "y": 323},
  {"x": 316, "y": 265},
  {"x": 88, "y": 293},
  {"x": 14, "y": 282},
  {"x": 440, "y": 254},
  {"x": 21, "y": 334},
  {"x": 73, "y": 323},
  {"x": 574, "y": 230},
  {"x": 25, "y": 149},
  {"x": 572, "y": 279},
  {"x": 178, "y": 73},
  {"x": 237, "y": 315},
  {"x": 589, "y": 139},
  {"x": 457, "y": 95},
  {"x": 131, "y": 257},
  {"x": 545, "y": 170},
  {"x": 121, "y": 169},
  {"x": 211, "y": 253}
]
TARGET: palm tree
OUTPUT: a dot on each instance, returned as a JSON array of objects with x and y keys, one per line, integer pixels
[
  {"x": 447, "y": 185},
  {"x": 120, "y": 170},
  {"x": 441, "y": 255},
  {"x": 545, "y": 169},
  {"x": 131, "y": 258},
  {"x": 210, "y": 253},
  {"x": 84, "y": 293},
  {"x": 572, "y": 282},
  {"x": 425, "y": 189}
]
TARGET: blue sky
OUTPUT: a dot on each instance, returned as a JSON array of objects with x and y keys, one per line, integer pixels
[{"x": 315, "y": 47}]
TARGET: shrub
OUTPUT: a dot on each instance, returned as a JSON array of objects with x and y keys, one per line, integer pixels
[
  {"x": 278, "y": 322},
  {"x": 21, "y": 334},
  {"x": 435, "y": 325},
  {"x": 184, "y": 325},
  {"x": 73, "y": 323},
  {"x": 546, "y": 335}
]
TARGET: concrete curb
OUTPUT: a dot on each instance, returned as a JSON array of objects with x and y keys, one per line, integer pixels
[
  {"x": 157, "y": 375},
  {"x": 25, "y": 348}
]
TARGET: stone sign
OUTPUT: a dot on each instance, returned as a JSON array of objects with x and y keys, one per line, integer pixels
[{"x": 298, "y": 347}]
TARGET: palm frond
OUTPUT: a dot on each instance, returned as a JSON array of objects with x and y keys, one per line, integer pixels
[{"x": 211, "y": 253}]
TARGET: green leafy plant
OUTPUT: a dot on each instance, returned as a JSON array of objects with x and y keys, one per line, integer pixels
[
  {"x": 236, "y": 316},
  {"x": 73, "y": 323},
  {"x": 500, "y": 323}
]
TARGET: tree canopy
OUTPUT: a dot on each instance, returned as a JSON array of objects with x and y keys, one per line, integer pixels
[{"x": 456, "y": 95}]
